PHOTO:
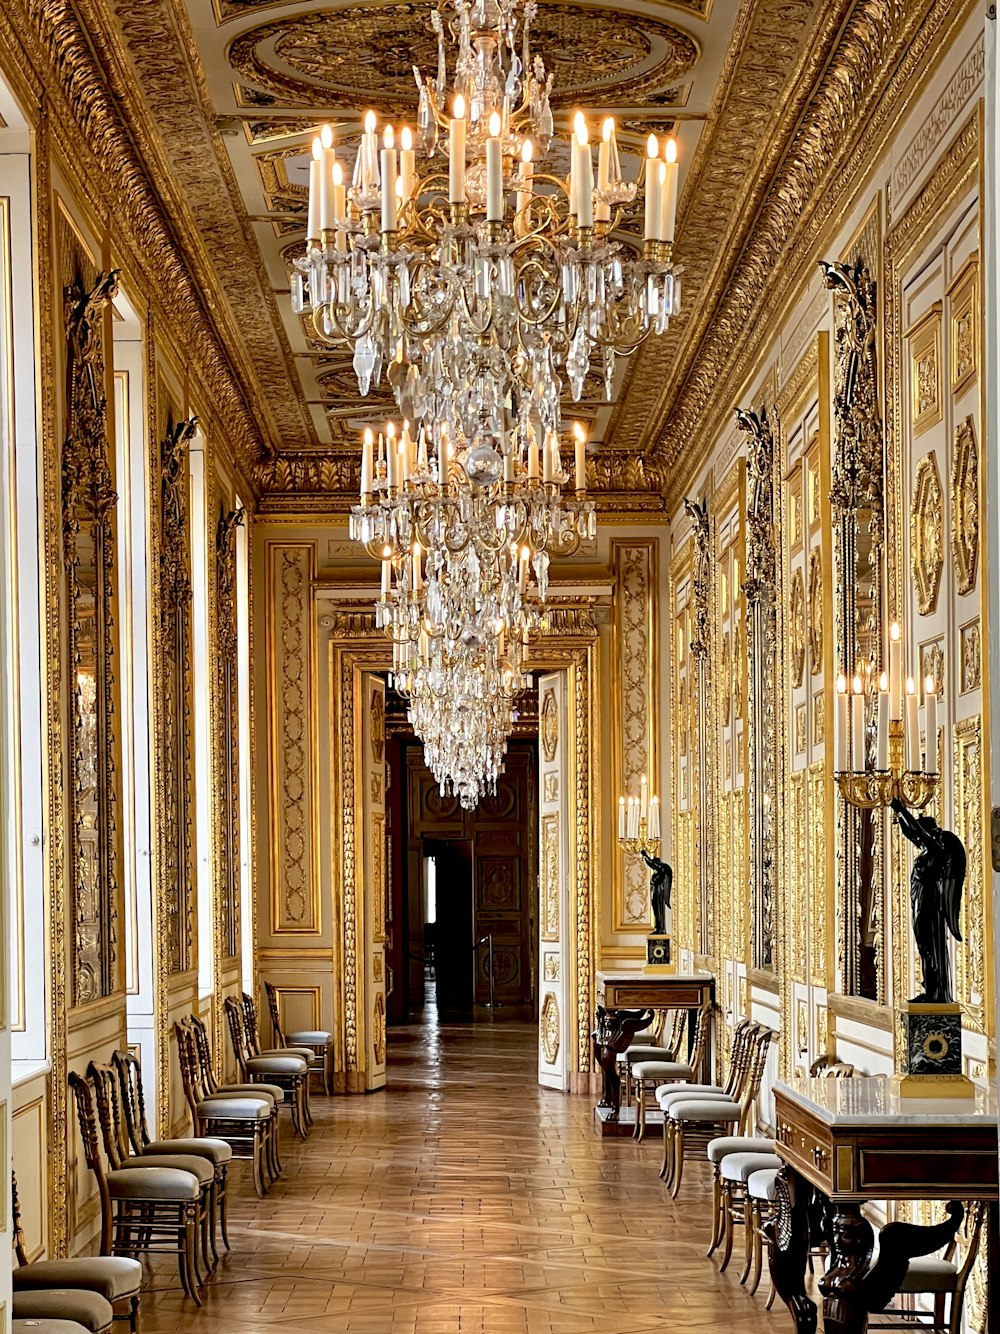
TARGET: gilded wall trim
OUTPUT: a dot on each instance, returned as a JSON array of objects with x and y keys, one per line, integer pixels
[
  {"x": 635, "y": 690},
  {"x": 971, "y": 986},
  {"x": 227, "y": 735},
  {"x": 291, "y": 662}
]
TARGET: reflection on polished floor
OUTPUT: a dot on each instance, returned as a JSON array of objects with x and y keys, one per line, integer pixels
[{"x": 464, "y": 1200}]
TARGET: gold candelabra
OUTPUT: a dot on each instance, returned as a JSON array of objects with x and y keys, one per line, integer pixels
[
  {"x": 639, "y": 823},
  {"x": 870, "y": 789}
]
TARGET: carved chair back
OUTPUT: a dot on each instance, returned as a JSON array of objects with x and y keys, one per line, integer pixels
[
  {"x": 250, "y": 1031},
  {"x": 187, "y": 1053},
  {"x": 672, "y": 1036},
  {"x": 133, "y": 1101},
  {"x": 702, "y": 1031},
  {"x": 20, "y": 1250},
  {"x": 274, "y": 1008},
  {"x": 203, "y": 1054},
  {"x": 105, "y": 1084},
  {"x": 236, "y": 1018},
  {"x": 739, "y": 1057},
  {"x": 755, "y": 1076},
  {"x": 975, "y": 1222}
]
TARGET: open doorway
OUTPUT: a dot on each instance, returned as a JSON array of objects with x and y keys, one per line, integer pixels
[{"x": 464, "y": 892}]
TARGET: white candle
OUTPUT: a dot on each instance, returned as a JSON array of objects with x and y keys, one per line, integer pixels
[
  {"x": 416, "y": 569},
  {"x": 858, "y": 757},
  {"x": 911, "y": 727},
  {"x": 456, "y": 152},
  {"x": 668, "y": 196},
  {"x": 388, "y": 159},
  {"x": 522, "y": 573},
  {"x": 895, "y": 671},
  {"x": 392, "y": 457},
  {"x": 931, "y": 724},
  {"x": 643, "y": 797},
  {"x": 327, "y": 159},
  {"x": 580, "y": 437},
  {"x": 654, "y": 817},
  {"x": 367, "y": 447},
  {"x": 422, "y": 452},
  {"x": 407, "y": 164},
  {"x": 604, "y": 154},
  {"x": 532, "y": 460},
  {"x": 494, "y": 171},
  {"x": 508, "y": 466},
  {"x": 621, "y": 817},
  {"x": 403, "y": 472},
  {"x": 633, "y": 817},
  {"x": 652, "y": 189},
  {"x": 339, "y": 206},
  {"x": 315, "y": 189},
  {"x": 882, "y": 733},
  {"x": 442, "y": 461},
  {"x": 386, "y": 576},
  {"x": 524, "y": 188},
  {"x": 584, "y": 173},
  {"x": 369, "y": 153},
  {"x": 840, "y": 734}
]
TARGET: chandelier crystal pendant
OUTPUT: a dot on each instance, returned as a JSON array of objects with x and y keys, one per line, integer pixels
[
  {"x": 464, "y": 536},
  {"x": 476, "y": 288}
]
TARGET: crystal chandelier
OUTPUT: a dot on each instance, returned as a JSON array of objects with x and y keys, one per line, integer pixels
[
  {"x": 464, "y": 535},
  {"x": 477, "y": 283}
]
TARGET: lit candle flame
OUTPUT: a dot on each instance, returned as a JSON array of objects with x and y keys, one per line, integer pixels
[
  {"x": 495, "y": 123},
  {"x": 369, "y": 122},
  {"x": 388, "y": 138},
  {"x": 671, "y": 150},
  {"x": 326, "y": 136},
  {"x": 459, "y": 107},
  {"x": 407, "y": 139},
  {"x": 580, "y": 128},
  {"x": 608, "y": 128}
]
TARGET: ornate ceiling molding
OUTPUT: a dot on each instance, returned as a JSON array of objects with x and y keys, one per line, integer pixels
[
  {"x": 882, "y": 52},
  {"x": 49, "y": 39}
]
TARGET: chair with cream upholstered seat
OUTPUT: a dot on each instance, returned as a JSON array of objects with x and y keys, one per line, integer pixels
[
  {"x": 944, "y": 1278},
  {"x": 216, "y": 1151},
  {"x": 251, "y": 1033},
  {"x": 646, "y": 1075},
  {"x": 143, "y": 1209},
  {"x": 318, "y": 1043},
  {"x": 744, "y": 1036},
  {"x": 247, "y": 1121},
  {"x": 116, "y": 1278},
  {"x": 286, "y": 1070},
  {"x": 47, "y": 1327}
]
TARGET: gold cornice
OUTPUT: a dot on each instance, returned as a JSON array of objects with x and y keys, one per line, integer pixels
[
  {"x": 100, "y": 157},
  {"x": 810, "y": 195}
]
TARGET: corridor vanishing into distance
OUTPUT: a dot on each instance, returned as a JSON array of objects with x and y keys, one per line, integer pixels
[{"x": 464, "y": 1199}]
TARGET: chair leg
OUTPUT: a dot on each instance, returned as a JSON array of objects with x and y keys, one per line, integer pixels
[
  {"x": 211, "y": 1250},
  {"x": 747, "y": 1238},
  {"x": 190, "y": 1252},
  {"x": 667, "y": 1132},
  {"x": 224, "y": 1207},
  {"x": 754, "y": 1224},
  {"x": 727, "y": 1233},
  {"x": 133, "y": 1314},
  {"x": 327, "y": 1074},
  {"x": 716, "y": 1236},
  {"x": 678, "y": 1157},
  {"x": 640, "y": 1110},
  {"x": 258, "y": 1171}
]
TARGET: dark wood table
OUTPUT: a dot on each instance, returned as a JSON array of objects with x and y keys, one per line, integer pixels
[
  {"x": 846, "y": 1141},
  {"x": 625, "y": 1005}
]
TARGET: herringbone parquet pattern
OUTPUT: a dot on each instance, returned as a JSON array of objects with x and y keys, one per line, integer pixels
[{"x": 464, "y": 1199}]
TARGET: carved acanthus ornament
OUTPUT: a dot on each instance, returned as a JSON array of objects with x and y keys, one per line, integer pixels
[
  {"x": 175, "y": 703},
  {"x": 228, "y": 735},
  {"x": 702, "y": 577},
  {"x": 760, "y": 590},
  {"x": 88, "y": 508}
]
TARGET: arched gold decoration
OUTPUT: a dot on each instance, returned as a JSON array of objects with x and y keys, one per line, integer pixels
[
  {"x": 550, "y": 1027},
  {"x": 965, "y": 506},
  {"x": 927, "y": 533}
]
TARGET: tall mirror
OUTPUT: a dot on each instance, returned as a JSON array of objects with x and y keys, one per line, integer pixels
[
  {"x": 859, "y": 534},
  {"x": 88, "y": 505}
]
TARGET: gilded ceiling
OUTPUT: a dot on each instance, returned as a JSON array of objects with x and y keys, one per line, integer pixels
[{"x": 225, "y": 96}]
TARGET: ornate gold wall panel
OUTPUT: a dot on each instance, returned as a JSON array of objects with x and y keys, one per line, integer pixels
[
  {"x": 227, "y": 734},
  {"x": 291, "y": 758},
  {"x": 971, "y": 988},
  {"x": 635, "y": 690}
]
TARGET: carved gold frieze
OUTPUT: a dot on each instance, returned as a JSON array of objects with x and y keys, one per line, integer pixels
[
  {"x": 550, "y": 877},
  {"x": 377, "y": 881},
  {"x": 797, "y": 628},
  {"x": 550, "y": 967},
  {"x": 549, "y": 1025},
  {"x": 970, "y": 657},
  {"x": 932, "y": 665},
  {"x": 927, "y": 534},
  {"x": 378, "y": 1029},
  {"x": 924, "y": 340},
  {"x": 549, "y": 726},
  {"x": 965, "y": 505},
  {"x": 971, "y": 956},
  {"x": 815, "y": 612},
  {"x": 227, "y": 732},
  {"x": 800, "y": 729}
]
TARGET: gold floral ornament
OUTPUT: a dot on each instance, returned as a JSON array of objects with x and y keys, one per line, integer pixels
[
  {"x": 378, "y": 1029},
  {"x": 549, "y": 726},
  {"x": 815, "y": 613},
  {"x": 965, "y": 506},
  {"x": 797, "y": 627},
  {"x": 550, "y": 1028},
  {"x": 727, "y": 697},
  {"x": 378, "y": 726},
  {"x": 927, "y": 534}
]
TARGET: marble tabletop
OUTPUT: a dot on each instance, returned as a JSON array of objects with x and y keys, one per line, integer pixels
[
  {"x": 874, "y": 1099},
  {"x": 639, "y": 976}
]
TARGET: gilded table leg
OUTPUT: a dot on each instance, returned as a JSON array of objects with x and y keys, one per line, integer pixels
[{"x": 788, "y": 1233}]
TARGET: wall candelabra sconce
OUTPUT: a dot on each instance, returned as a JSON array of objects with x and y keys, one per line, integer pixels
[
  {"x": 877, "y": 757},
  {"x": 639, "y": 835}
]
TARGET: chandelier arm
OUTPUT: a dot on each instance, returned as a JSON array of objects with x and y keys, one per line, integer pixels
[{"x": 344, "y": 335}]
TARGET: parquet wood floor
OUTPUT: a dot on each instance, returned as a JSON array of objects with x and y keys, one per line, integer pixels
[{"x": 463, "y": 1199}]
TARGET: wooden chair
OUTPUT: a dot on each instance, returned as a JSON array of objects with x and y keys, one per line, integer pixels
[
  {"x": 143, "y": 1210},
  {"x": 744, "y": 1035},
  {"x": 215, "y": 1151},
  {"x": 658, "y": 1042},
  {"x": 316, "y": 1042},
  {"x": 37, "y": 1309},
  {"x": 945, "y": 1278},
  {"x": 648, "y": 1075},
  {"x": 285, "y": 1070},
  {"x": 251, "y": 1032},
  {"x": 691, "y": 1123},
  {"x": 246, "y": 1121},
  {"x": 116, "y": 1278}
]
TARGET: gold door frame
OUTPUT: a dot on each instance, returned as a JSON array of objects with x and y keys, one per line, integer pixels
[{"x": 570, "y": 644}]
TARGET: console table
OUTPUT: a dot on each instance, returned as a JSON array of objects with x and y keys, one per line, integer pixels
[
  {"x": 845, "y": 1141},
  {"x": 625, "y": 1005}
]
